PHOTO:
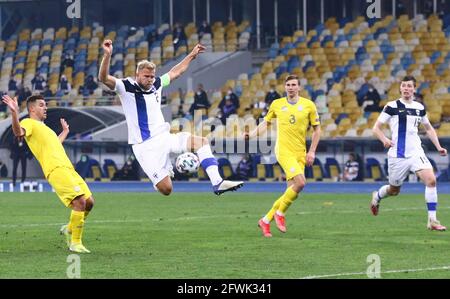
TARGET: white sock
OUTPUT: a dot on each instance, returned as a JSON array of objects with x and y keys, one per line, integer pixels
[
  {"x": 431, "y": 198},
  {"x": 382, "y": 193},
  {"x": 279, "y": 213},
  {"x": 209, "y": 164}
]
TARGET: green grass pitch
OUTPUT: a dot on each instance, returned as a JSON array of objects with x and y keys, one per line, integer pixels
[{"x": 199, "y": 235}]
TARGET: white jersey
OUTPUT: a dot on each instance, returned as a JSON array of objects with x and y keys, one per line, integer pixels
[
  {"x": 404, "y": 120},
  {"x": 142, "y": 108}
]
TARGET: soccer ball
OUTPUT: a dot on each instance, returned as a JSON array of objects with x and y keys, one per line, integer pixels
[{"x": 187, "y": 163}]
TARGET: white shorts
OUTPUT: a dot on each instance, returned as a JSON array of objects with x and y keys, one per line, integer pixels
[
  {"x": 154, "y": 154},
  {"x": 399, "y": 168}
]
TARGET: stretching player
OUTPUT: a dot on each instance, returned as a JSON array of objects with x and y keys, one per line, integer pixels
[{"x": 148, "y": 133}]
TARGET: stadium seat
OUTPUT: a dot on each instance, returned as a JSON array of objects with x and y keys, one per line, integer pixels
[
  {"x": 332, "y": 168},
  {"x": 374, "y": 170},
  {"x": 318, "y": 172},
  {"x": 95, "y": 171},
  {"x": 225, "y": 168},
  {"x": 278, "y": 173},
  {"x": 109, "y": 168},
  {"x": 82, "y": 166}
]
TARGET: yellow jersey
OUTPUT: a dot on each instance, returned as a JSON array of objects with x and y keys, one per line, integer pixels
[
  {"x": 45, "y": 145},
  {"x": 293, "y": 121}
]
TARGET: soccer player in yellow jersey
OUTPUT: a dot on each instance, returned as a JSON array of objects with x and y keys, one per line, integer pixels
[
  {"x": 47, "y": 147},
  {"x": 294, "y": 115}
]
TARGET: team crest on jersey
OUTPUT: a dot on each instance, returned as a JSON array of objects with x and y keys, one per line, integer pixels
[
  {"x": 300, "y": 108},
  {"x": 77, "y": 188},
  {"x": 284, "y": 108}
]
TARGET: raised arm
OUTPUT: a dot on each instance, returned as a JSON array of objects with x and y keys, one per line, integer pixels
[
  {"x": 103, "y": 73},
  {"x": 14, "y": 107},
  {"x": 181, "y": 67},
  {"x": 65, "y": 131}
]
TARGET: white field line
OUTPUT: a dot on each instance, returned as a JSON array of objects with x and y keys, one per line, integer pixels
[
  {"x": 188, "y": 218},
  {"x": 381, "y": 272}
]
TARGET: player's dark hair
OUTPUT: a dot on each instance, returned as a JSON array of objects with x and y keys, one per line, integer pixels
[
  {"x": 410, "y": 78},
  {"x": 292, "y": 77},
  {"x": 32, "y": 99}
]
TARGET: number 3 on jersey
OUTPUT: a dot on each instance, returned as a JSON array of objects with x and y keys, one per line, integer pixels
[{"x": 292, "y": 119}]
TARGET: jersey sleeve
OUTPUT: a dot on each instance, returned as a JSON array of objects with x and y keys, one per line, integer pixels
[
  {"x": 271, "y": 113},
  {"x": 120, "y": 86},
  {"x": 386, "y": 114},
  {"x": 425, "y": 119},
  {"x": 165, "y": 80},
  {"x": 314, "y": 116},
  {"x": 27, "y": 125}
]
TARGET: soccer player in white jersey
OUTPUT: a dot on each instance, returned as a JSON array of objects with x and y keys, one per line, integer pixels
[
  {"x": 148, "y": 133},
  {"x": 405, "y": 149}
]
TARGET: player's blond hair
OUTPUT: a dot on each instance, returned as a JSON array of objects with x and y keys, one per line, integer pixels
[{"x": 145, "y": 64}]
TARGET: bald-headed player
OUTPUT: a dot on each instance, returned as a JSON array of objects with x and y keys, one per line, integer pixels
[{"x": 148, "y": 133}]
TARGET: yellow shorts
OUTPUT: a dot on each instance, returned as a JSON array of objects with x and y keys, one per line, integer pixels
[
  {"x": 292, "y": 165},
  {"x": 68, "y": 184}
]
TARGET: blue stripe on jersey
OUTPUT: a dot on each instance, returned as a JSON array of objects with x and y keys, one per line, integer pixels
[
  {"x": 402, "y": 123},
  {"x": 142, "y": 116}
]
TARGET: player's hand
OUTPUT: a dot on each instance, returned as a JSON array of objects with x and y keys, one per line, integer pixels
[
  {"x": 442, "y": 151},
  {"x": 197, "y": 50},
  {"x": 388, "y": 143},
  {"x": 64, "y": 125},
  {"x": 246, "y": 135},
  {"x": 11, "y": 103},
  {"x": 310, "y": 157},
  {"x": 107, "y": 47}
]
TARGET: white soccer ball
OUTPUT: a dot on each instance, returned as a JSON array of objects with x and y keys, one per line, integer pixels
[{"x": 187, "y": 163}]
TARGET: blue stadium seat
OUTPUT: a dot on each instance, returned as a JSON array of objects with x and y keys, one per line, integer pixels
[
  {"x": 109, "y": 168},
  {"x": 225, "y": 168},
  {"x": 374, "y": 170},
  {"x": 332, "y": 168}
]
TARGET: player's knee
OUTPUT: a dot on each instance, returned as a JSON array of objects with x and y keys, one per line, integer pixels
[
  {"x": 393, "y": 191},
  {"x": 298, "y": 186},
  {"x": 165, "y": 190},
  {"x": 431, "y": 183},
  {"x": 90, "y": 203},
  {"x": 79, "y": 204}
]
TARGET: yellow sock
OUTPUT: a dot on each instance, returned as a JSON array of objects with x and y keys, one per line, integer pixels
[
  {"x": 287, "y": 199},
  {"x": 69, "y": 226},
  {"x": 77, "y": 223},
  {"x": 276, "y": 204}
]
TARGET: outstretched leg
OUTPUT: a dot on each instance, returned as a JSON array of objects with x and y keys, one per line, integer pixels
[{"x": 200, "y": 145}]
